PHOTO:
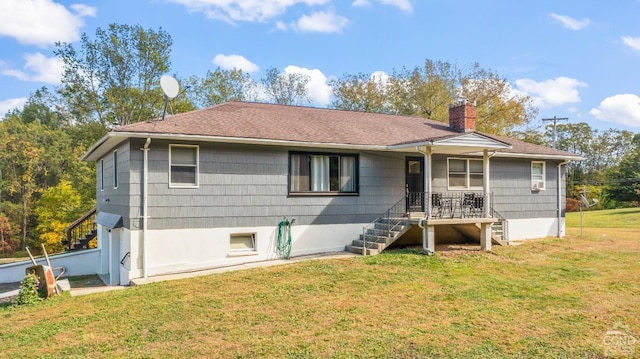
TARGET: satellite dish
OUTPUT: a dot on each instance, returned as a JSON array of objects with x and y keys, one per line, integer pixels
[{"x": 169, "y": 86}]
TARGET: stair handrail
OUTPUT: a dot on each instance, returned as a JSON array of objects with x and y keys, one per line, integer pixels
[
  {"x": 503, "y": 220},
  {"x": 82, "y": 224},
  {"x": 387, "y": 215}
]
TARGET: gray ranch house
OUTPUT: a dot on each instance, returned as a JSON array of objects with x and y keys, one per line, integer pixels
[{"x": 211, "y": 187}]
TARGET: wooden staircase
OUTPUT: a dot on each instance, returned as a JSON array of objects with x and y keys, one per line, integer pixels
[{"x": 81, "y": 232}]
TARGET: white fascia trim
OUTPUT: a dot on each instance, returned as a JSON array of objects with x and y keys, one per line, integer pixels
[
  {"x": 538, "y": 156},
  {"x": 95, "y": 152}
]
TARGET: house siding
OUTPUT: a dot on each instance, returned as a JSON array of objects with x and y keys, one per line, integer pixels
[
  {"x": 115, "y": 200},
  {"x": 246, "y": 186},
  {"x": 510, "y": 186}
]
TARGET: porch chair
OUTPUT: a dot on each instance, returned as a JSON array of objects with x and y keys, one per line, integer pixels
[
  {"x": 467, "y": 204},
  {"x": 436, "y": 205}
]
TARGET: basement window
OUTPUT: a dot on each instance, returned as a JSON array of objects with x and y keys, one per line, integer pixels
[
  {"x": 183, "y": 160},
  {"x": 242, "y": 243}
]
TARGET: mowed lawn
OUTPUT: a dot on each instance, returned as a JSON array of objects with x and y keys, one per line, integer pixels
[{"x": 552, "y": 298}]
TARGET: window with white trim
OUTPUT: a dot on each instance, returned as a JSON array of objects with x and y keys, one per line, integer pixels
[
  {"x": 538, "y": 175},
  {"x": 318, "y": 173},
  {"x": 183, "y": 165},
  {"x": 115, "y": 169},
  {"x": 242, "y": 242},
  {"x": 465, "y": 173}
]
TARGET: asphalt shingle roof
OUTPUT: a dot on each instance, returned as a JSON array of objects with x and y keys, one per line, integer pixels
[{"x": 246, "y": 120}]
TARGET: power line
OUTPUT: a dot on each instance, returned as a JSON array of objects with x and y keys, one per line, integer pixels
[{"x": 555, "y": 120}]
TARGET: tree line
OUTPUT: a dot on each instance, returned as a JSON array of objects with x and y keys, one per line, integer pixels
[{"x": 112, "y": 78}]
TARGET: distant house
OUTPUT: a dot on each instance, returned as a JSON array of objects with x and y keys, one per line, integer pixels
[{"x": 209, "y": 187}]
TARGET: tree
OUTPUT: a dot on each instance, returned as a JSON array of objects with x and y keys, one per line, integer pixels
[
  {"x": 428, "y": 90},
  {"x": 58, "y": 207},
  {"x": 624, "y": 179},
  {"x": 499, "y": 110},
  {"x": 112, "y": 78},
  {"x": 360, "y": 92},
  {"x": 285, "y": 88},
  {"x": 7, "y": 245},
  {"x": 219, "y": 86},
  {"x": 21, "y": 166}
]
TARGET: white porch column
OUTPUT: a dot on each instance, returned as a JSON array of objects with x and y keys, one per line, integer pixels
[
  {"x": 427, "y": 180},
  {"x": 485, "y": 182},
  {"x": 485, "y": 237}
]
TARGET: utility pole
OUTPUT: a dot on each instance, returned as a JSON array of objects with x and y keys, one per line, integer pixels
[{"x": 555, "y": 120}]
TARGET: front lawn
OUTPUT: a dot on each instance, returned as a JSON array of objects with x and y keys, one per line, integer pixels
[{"x": 553, "y": 298}]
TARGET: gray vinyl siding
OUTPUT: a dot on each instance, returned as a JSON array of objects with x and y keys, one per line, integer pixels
[
  {"x": 114, "y": 200},
  {"x": 511, "y": 186},
  {"x": 513, "y": 196},
  {"x": 247, "y": 186}
]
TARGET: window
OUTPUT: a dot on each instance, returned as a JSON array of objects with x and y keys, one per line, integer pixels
[
  {"x": 102, "y": 174},
  {"x": 115, "y": 169},
  {"x": 183, "y": 161},
  {"x": 323, "y": 173},
  {"x": 414, "y": 167},
  {"x": 242, "y": 242},
  {"x": 465, "y": 174},
  {"x": 537, "y": 175}
]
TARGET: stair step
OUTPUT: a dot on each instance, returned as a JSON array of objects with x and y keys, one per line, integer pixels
[
  {"x": 379, "y": 239},
  {"x": 382, "y": 232},
  {"x": 374, "y": 245},
  {"x": 358, "y": 250}
]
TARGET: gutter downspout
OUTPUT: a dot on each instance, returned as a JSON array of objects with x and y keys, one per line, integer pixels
[
  {"x": 145, "y": 217},
  {"x": 560, "y": 196}
]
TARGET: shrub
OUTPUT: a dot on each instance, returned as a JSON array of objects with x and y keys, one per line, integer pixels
[
  {"x": 29, "y": 293},
  {"x": 573, "y": 205}
]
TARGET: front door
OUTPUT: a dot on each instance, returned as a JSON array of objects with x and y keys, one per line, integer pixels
[{"x": 414, "y": 170}]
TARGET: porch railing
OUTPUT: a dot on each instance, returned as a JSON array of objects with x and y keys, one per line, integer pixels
[{"x": 443, "y": 205}]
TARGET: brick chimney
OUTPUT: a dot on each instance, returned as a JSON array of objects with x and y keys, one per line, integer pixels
[{"x": 462, "y": 116}]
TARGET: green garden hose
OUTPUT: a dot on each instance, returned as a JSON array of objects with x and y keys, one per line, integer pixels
[{"x": 283, "y": 246}]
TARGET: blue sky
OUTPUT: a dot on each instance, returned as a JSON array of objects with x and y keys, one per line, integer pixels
[{"x": 578, "y": 59}]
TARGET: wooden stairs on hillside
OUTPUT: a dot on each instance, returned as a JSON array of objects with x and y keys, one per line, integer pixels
[{"x": 81, "y": 232}]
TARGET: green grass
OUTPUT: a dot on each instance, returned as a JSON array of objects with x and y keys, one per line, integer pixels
[
  {"x": 611, "y": 218},
  {"x": 552, "y": 298}
]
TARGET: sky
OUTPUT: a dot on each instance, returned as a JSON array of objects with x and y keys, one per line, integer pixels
[{"x": 577, "y": 59}]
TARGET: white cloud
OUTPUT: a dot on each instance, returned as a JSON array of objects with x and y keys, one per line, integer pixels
[
  {"x": 623, "y": 109},
  {"x": 318, "y": 89},
  {"x": 84, "y": 10},
  {"x": 552, "y": 92},
  {"x": 632, "y": 42},
  {"x": 230, "y": 62},
  {"x": 39, "y": 69},
  {"x": 10, "y": 104},
  {"x": 42, "y": 22},
  {"x": 281, "y": 26},
  {"x": 320, "y": 21},
  {"x": 243, "y": 10},
  {"x": 403, "y": 5},
  {"x": 361, "y": 3},
  {"x": 571, "y": 23}
]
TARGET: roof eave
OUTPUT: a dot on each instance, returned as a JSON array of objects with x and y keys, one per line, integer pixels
[{"x": 106, "y": 143}]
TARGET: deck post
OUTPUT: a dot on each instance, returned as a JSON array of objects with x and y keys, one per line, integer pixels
[
  {"x": 486, "y": 180},
  {"x": 485, "y": 237}
]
